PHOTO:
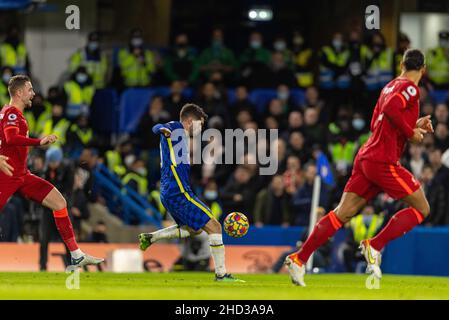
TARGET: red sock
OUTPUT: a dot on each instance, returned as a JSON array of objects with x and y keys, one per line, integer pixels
[
  {"x": 65, "y": 229},
  {"x": 323, "y": 230},
  {"x": 401, "y": 223}
]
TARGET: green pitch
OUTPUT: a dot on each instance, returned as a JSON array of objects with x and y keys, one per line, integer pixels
[{"x": 201, "y": 286}]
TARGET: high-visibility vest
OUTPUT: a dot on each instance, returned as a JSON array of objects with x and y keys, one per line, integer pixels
[
  {"x": 133, "y": 72},
  {"x": 59, "y": 129},
  {"x": 343, "y": 153},
  {"x": 155, "y": 196},
  {"x": 13, "y": 57},
  {"x": 304, "y": 75},
  {"x": 327, "y": 75},
  {"x": 79, "y": 98},
  {"x": 142, "y": 182},
  {"x": 380, "y": 72},
  {"x": 96, "y": 68},
  {"x": 216, "y": 209},
  {"x": 4, "y": 95},
  {"x": 361, "y": 232},
  {"x": 85, "y": 136},
  {"x": 438, "y": 66},
  {"x": 397, "y": 64},
  {"x": 114, "y": 160},
  {"x": 36, "y": 126}
]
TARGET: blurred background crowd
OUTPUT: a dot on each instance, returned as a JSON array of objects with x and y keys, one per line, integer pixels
[{"x": 320, "y": 99}]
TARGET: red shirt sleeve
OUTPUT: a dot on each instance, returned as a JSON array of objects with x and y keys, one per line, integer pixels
[
  {"x": 394, "y": 109},
  {"x": 13, "y": 138}
]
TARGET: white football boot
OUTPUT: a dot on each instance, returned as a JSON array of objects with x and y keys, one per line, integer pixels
[
  {"x": 373, "y": 258},
  {"x": 296, "y": 269}
]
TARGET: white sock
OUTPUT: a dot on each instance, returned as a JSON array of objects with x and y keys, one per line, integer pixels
[
  {"x": 172, "y": 232},
  {"x": 218, "y": 253},
  {"x": 76, "y": 254}
]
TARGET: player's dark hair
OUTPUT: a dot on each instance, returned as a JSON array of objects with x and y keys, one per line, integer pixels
[
  {"x": 413, "y": 59},
  {"x": 192, "y": 110},
  {"x": 16, "y": 83}
]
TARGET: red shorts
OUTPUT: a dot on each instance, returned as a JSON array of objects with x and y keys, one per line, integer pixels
[
  {"x": 28, "y": 185},
  {"x": 370, "y": 178}
]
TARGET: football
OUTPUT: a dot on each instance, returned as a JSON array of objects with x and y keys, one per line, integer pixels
[{"x": 236, "y": 224}]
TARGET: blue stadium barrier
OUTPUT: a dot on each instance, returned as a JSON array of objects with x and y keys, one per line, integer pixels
[
  {"x": 104, "y": 111},
  {"x": 439, "y": 96},
  {"x": 123, "y": 201}
]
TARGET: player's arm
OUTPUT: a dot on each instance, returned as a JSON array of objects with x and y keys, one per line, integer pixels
[
  {"x": 160, "y": 128},
  {"x": 425, "y": 123},
  {"x": 13, "y": 138}
]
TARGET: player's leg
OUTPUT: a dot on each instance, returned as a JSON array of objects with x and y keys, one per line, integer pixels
[
  {"x": 214, "y": 230},
  {"x": 404, "y": 220},
  {"x": 41, "y": 191},
  {"x": 172, "y": 232}
]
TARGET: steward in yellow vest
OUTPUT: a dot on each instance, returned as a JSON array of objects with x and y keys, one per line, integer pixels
[
  {"x": 38, "y": 115},
  {"x": 380, "y": 64},
  {"x": 93, "y": 59},
  {"x": 437, "y": 61},
  {"x": 13, "y": 52},
  {"x": 79, "y": 136},
  {"x": 302, "y": 61},
  {"x": 80, "y": 91},
  {"x": 136, "y": 178},
  {"x": 365, "y": 225},
  {"x": 334, "y": 61},
  {"x": 403, "y": 45},
  {"x": 57, "y": 125},
  {"x": 6, "y": 74},
  {"x": 136, "y": 63}
]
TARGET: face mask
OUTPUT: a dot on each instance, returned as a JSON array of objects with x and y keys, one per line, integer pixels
[
  {"x": 279, "y": 45},
  {"x": 337, "y": 43},
  {"x": 81, "y": 77},
  {"x": 358, "y": 124},
  {"x": 6, "y": 77},
  {"x": 444, "y": 43},
  {"x": 210, "y": 195},
  {"x": 283, "y": 95},
  {"x": 92, "y": 46},
  {"x": 142, "y": 171},
  {"x": 298, "y": 41},
  {"x": 255, "y": 44},
  {"x": 136, "y": 42}
]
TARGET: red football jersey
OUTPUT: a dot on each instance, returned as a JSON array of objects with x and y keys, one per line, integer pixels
[
  {"x": 10, "y": 116},
  {"x": 398, "y": 102}
]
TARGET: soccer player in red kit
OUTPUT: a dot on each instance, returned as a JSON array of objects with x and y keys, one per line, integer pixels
[
  {"x": 14, "y": 142},
  {"x": 376, "y": 168}
]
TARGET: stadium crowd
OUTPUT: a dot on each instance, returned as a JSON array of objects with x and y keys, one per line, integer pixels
[{"x": 341, "y": 81}]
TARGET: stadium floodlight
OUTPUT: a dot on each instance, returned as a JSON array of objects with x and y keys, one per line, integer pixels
[{"x": 260, "y": 14}]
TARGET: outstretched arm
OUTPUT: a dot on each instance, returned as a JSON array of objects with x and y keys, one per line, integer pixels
[
  {"x": 13, "y": 138},
  {"x": 159, "y": 128}
]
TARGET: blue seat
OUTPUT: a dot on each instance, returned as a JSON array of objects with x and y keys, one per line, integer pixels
[
  {"x": 440, "y": 96},
  {"x": 133, "y": 104}
]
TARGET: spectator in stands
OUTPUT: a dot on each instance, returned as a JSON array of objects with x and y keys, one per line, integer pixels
[
  {"x": 238, "y": 194},
  {"x": 278, "y": 73},
  {"x": 441, "y": 172},
  {"x": 212, "y": 103},
  {"x": 303, "y": 59},
  {"x": 272, "y": 204},
  {"x": 179, "y": 64},
  {"x": 13, "y": 52},
  {"x": 312, "y": 98},
  {"x": 302, "y": 199},
  {"x": 442, "y": 137},
  {"x": 80, "y": 92},
  {"x": 217, "y": 57},
  {"x": 12, "y": 218},
  {"x": 313, "y": 129},
  {"x": 175, "y": 100},
  {"x": 210, "y": 197},
  {"x": 379, "y": 64},
  {"x": 56, "y": 124},
  {"x": 79, "y": 136},
  {"x": 37, "y": 115},
  {"x": 437, "y": 197},
  {"x": 254, "y": 61},
  {"x": 99, "y": 234},
  {"x": 93, "y": 59},
  {"x": 364, "y": 226},
  {"x": 284, "y": 95},
  {"x": 402, "y": 45},
  {"x": 60, "y": 174},
  {"x": 441, "y": 114},
  {"x": 358, "y": 54},
  {"x": 78, "y": 201},
  {"x": 295, "y": 123},
  {"x": 281, "y": 153},
  {"x": 88, "y": 162},
  {"x": 280, "y": 45},
  {"x": 297, "y": 146},
  {"x": 417, "y": 160},
  {"x": 271, "y": 123},
  {"x": 424, "y": 96},
  {"x": 137, "y": 64},
  {"x": 242, "y": 118},
  {"x": 242, "y": 102},
  {"x": 115, "y": 159},
  {"x": 293, "y": 175},
  {"x": 437, "y": 61},
  {"x": 361, "y": 129},
  {"x": 136, "y": 177},
  {"x": 277, "y": 110},
  {"x": 6, "y": 74}
]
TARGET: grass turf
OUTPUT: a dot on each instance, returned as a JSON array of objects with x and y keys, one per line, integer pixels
[{"x": 201, "y": 286}]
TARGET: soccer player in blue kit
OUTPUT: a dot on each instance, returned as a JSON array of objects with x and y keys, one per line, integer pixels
[{"x": 191, "y": 215}]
